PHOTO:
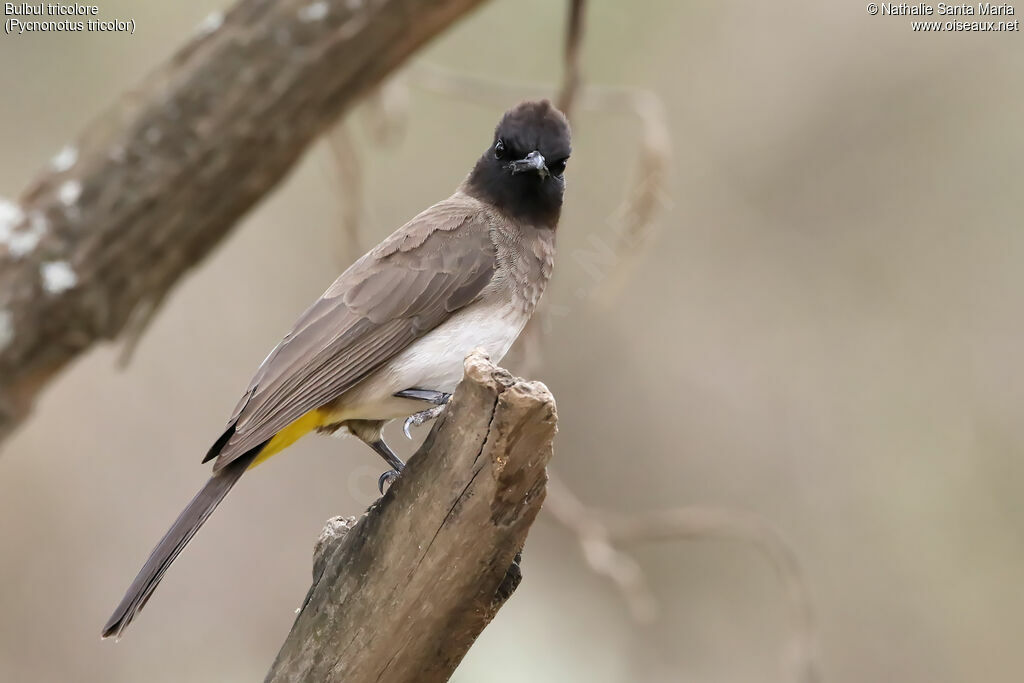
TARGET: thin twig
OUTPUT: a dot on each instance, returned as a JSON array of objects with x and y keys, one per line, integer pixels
[
  {"x": 603, "y": 536},
  {"x": 571, "y": 58},
  {"x": 349, "y": 168},
  {"x": 695, "y": 522},
  {"x": 601, "y": 556},
  {"x": 138, "y": 322},
  {"x": 385, "y": 112}
]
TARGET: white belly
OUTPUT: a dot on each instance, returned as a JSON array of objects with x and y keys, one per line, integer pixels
[{"x": 434, "y": 362}]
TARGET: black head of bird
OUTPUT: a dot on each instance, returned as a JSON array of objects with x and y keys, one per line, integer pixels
[{"x": 522, "y": 172}]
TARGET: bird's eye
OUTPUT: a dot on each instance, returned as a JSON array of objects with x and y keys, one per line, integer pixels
[
  {"x": 499, "y": 149},
  {"x": 557, "y": 168}
]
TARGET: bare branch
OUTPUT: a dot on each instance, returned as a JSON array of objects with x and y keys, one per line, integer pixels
[
  {"x": 571, "y": 58},
  {"x": 350, "y": 188},
  {"x": 385, "y": 111},
  {"x": 601, "y": 556},
  {"x": 401, "y": 594},
  {"x": 603, "y": 537},
  {"x": 157, "y": 182}
]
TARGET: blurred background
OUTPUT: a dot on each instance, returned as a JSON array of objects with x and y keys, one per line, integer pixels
[{"x": 824, "y": 330}]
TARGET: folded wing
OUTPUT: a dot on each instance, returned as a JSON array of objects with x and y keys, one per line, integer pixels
[{"x": 409, "y": 284}]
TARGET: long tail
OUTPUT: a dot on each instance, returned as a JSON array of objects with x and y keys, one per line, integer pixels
[{"x": 176, "y": 538}]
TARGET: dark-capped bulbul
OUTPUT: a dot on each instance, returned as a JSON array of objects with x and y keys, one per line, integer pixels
[{"x": 390, "y": 335}]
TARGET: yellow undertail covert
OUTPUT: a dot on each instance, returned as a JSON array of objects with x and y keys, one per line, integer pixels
[{"x": 290, "y": 434}]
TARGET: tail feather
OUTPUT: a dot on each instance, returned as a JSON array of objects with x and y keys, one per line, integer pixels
[{"x": 176, "y": 538}]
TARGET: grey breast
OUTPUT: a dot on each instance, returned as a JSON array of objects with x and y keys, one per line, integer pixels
[{"x": 525, "y": 257}]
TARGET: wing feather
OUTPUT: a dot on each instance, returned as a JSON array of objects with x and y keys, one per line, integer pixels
[{"x": 406, "y": 286}]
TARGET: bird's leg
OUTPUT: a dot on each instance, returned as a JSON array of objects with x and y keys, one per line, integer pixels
[
  {"x": 438, "y": 398},
  {"x": 369, "y": 432},
  {"x": 393, "y": 460}
]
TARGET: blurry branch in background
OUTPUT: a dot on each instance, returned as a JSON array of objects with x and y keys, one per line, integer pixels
[
  {"x": 350, "y": 186},
  {"x": 402, "y": 594},
  {"x": 95, "y": 243},
  {"x": 571, "y": 57},
  {"x": 385, "y": 110},
  {"x": 601, "y": 556},
  {"x": 603, "y": 536}
]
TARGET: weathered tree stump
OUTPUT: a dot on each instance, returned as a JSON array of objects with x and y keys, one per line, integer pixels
[{"x": 402, "y": 593}]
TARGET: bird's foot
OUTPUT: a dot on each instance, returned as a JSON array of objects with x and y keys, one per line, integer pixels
[
  {"x": 438, "y": 398},
  {"x": 416, "y": 419},
  {"x": 386, "y": 480}
]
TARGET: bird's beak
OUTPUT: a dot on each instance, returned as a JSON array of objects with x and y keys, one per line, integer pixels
[{"x": 534, "y": 161}]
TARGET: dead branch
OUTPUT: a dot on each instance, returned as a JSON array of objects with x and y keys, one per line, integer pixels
[
  {"x": 571, "y": 58},
  {"x": 148, "y": 191},
  {"x": 603, "y": 537},
  {"x": 350, "y": 188},
  {"x": 401, "y": 594}
]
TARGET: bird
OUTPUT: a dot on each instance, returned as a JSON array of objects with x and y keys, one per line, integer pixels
[{"x": 388, "y": 338}]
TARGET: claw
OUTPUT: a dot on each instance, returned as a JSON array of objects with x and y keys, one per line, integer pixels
[
  {"x": 416, "y": 419},
  {"x": 387, "y": 478}
]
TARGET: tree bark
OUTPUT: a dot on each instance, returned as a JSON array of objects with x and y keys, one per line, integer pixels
[
  {"x": 402, "y": 593},
  {"x": 100, "y": 238}
]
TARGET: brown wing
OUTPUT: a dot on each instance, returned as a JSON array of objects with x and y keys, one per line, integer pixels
[{"x": 410, "y": 283}]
